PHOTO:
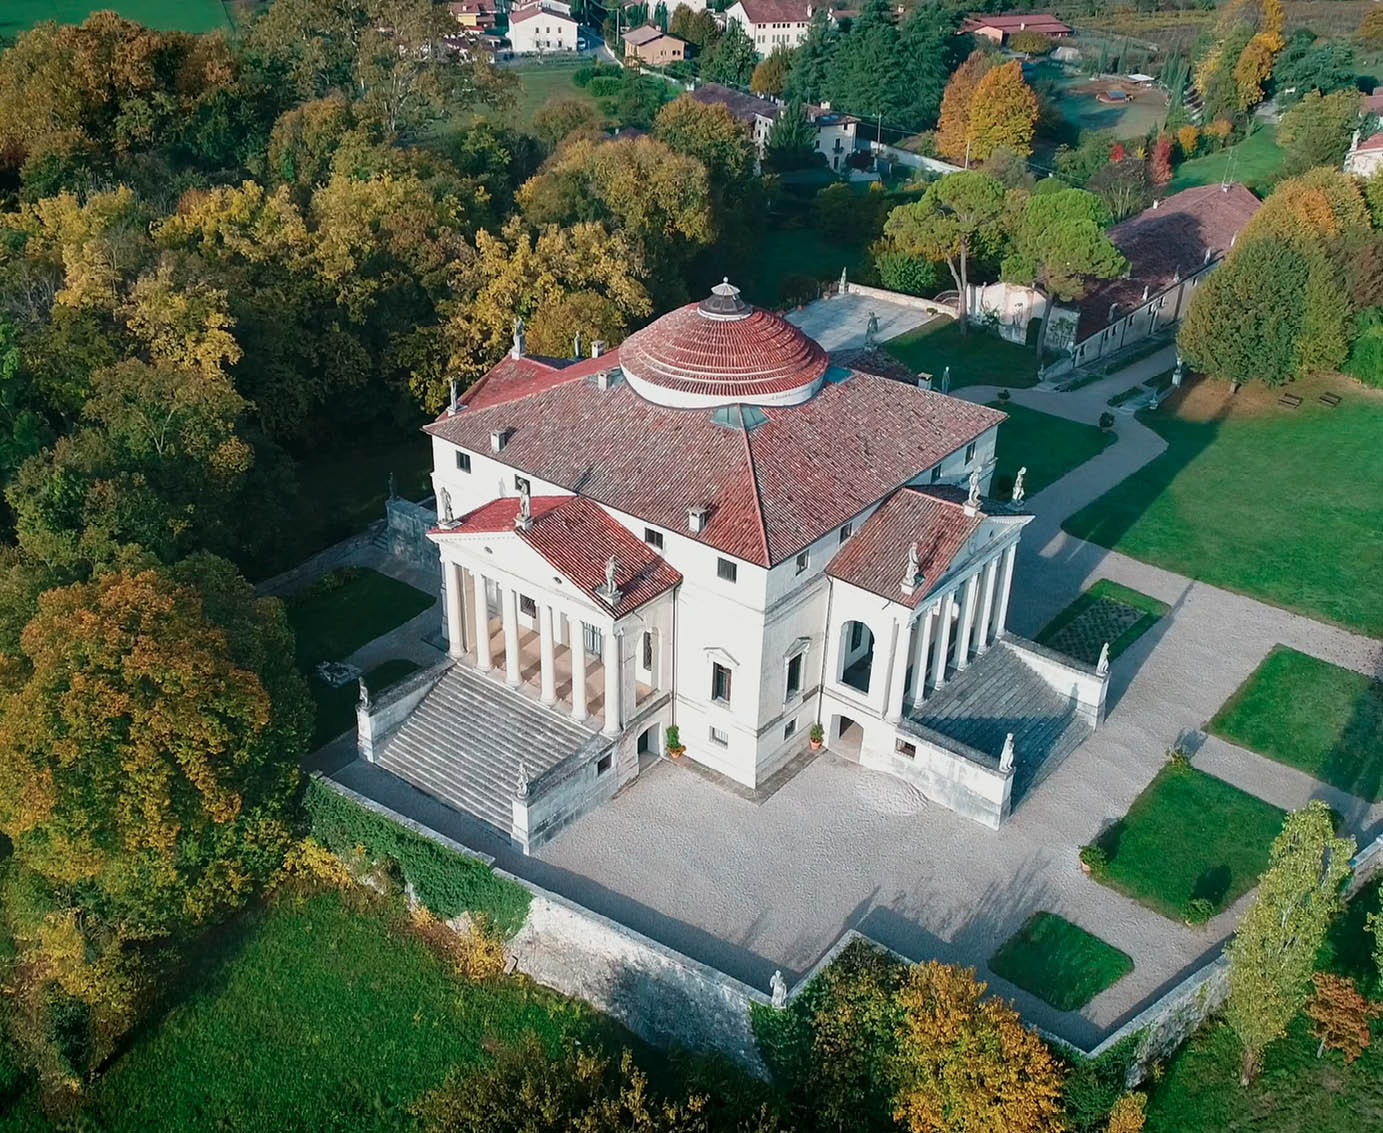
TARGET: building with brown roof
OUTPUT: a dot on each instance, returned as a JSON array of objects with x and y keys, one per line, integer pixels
[
  {"x": 1365, "y": 156},
  {"x": 998, "y": 28},
  {"x": 649, "y": 44},
  {"x": 717, "y": 530},
  {"x": 772, "y": 24},
  {"x": 1171, "y": 248},
  {"x": 836, "y": 131}
]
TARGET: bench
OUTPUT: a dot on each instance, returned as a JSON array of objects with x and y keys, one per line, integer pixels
[
  {"x": 1330, "y": 399},
  {"x": 1289, "y": 400}
]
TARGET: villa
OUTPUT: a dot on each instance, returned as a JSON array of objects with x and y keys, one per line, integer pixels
[{"x": 715, "y": 537}]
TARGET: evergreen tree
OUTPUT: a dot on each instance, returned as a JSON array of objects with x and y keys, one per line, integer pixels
[
  {"x": 732, "y": 58},
  {"x": 791, "y": 143},
  {"x": 863, "y": 75},
  {"x": 812, "y": 60}
]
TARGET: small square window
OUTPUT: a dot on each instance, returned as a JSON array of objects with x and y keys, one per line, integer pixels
[
  {"x": 905, "y": 749},
  {"x": 789, "y": 728},
  {"x": 463, "y": 461},
  {"x": 720, "y": 683},
  {"x": 845, "y": 529},
  {"x": 727, "y": 570},
  {"x": 969, "y": 452},
  {"x": 803, "y": 561},
  {"x": 521, "y": 484},
  {"x": 719, "y": 738},
  {"x": 602, "y": 764},
  {"x": 528, "y": 606},
  {"x": 653, "y": 538},
  {"x": 936, "y": 473}
]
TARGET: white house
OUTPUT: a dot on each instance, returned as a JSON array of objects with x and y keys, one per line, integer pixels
[
  {"x": 714, "y": 528},
  {"x": 1365, "y": 156},
  {"x": 836, "y": 132},
  {"x": 543, "y": 28},
  {"x": 772, "y": 23}
]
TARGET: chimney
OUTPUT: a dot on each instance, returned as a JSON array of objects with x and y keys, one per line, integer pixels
[
  {"x": 603, "y": 379},
  {"x": 597, "y": 347},
  {"x": 451, "y": 409},
  {"x": 499, "y": 438},
  {"x": 696, "y": 520},
  {"x": 1156, "y": 203}
]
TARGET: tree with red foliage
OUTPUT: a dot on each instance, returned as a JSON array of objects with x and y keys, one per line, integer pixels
[
  {"x": 1117, "y": 153},
  {"x": 1160, "y": 164}
]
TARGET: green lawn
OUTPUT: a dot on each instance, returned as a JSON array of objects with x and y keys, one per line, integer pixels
[
  {"x": 1048, "y": 446},
  {"x": 1059, "y": 962},
  {"x": 1256, "y": 161},
  {"x": 1104, "y": 591},
  {"x": 345, "y": 609},
  {"x": 1312, "y": 715},
  {"x": 1189, "y": 835},
  {"x": 170, "y": 15},
  {"x": 314, "y": 1016},
  {"x": 336, "y": 706},
  {"x": 1285, "y": 507},
  {"x": 1296, "y": 1092},
  {"x": 976, "y": 359},
  {"x": 782, "y": 252}
]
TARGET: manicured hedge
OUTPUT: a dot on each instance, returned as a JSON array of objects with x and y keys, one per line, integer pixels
[{"x": 446, "y": 882}]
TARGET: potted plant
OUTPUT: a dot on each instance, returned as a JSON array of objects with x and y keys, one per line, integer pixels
[
  {"x": 815, "y": 735},
  {"x": 1106, "y": 421},
  {"x": 1004, "y": 395},
  {"x": 675, "y": 747}
]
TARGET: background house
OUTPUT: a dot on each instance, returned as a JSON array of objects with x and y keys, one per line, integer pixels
[
  {"x": 836, "y": 132},
  {"x": 650, "y": 45},
  {"x": 542, "y": 28},
  {"x": 999, "y": 28},
  {"x": 772, "y": 23}
]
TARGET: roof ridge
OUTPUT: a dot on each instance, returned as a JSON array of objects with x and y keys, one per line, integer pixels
[{"x": 754, "y": 483}]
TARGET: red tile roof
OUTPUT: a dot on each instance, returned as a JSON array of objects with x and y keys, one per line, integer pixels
[
  {"x": 577, "y": 538},
  {"x": 770, "y": 490},
  {"x": 1042, "y": 22},
  {"x": 639, "y": 36},
  {"x": 777, "y": 11},
  {"x": 1373, "y": 141},
  {"x": 1164, "y": 243},
  {"x": 877, "y": 557}
]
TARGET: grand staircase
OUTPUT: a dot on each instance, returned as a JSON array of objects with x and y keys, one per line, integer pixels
[{"x": 464, "y": 742}]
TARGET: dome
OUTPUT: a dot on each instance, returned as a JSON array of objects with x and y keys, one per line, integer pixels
[{"x": 722, "y": 351}]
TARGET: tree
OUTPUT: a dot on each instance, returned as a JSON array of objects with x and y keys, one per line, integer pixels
[
  {"x": 812, "y": 59},
  {"x": 1274, "y": 948},
  {"x": 953, "y": 127},
  {"x": 732, "y": 58},
  {"x": 1316, "y": 131},
  {"x": 966, "y": 1063},
  {"x": 305, "y": 139},
  {"x": 955, "y": 212},
  {"x": 863, "y": 72},
  {"x": 1244, "y": 320},
  {"x": 562, "y": 117},
  {"x": 1128, "y": 1114},
  {"x": 1031, "y": 43},
  {"x": 149, "y": 741},
  {"x": 314, "y": 41},
  {"x": 1255, "y": 62},
  {"x": 1123, "y": 186},
  {"x": 791, "y": 141},
  {"x": 1340, "y": 1016},
  {"x": 1059, "y": 245},
  {"x": 1160, "y": 161},
  {"x": 1308, "y": 64},
  {"x": 927, "y": 51},
  {"x": 1002, "y": 113},
  {"x": 713, "y": 136},
  {"x": 771, "y": 76}
]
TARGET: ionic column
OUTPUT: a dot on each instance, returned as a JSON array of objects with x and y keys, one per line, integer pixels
[
  {"x": 943, "y": 640},
  {"x": 509, "y": 611},
  {"x": 897, "y": 677},
  {"x": 919, "y": 684},
  {"x": 991, "y": 576},
  {"x": 482, "y": 622},
  {"x": 612, "y": 682},
  {"x": 547, "y": 660},
  {"x": 456, "y": 642},
  {"x": 1001, "y": 619},
  {"x": 576, "y": 632},
  {"x": 967, "y": 618}
]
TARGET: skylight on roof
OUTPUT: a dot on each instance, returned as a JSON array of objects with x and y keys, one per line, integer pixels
[{"x": 748, "y": 417}]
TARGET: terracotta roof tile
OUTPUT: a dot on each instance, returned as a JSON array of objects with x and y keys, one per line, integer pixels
[
  {"x": 577, "y": 538},
  {"x": 1043, "y": 22},
  {"x": 777, "y": 11}
]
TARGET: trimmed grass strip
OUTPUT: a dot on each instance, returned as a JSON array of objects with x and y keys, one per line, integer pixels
[
  {"x": 1059, "y": 962},
  {"x": 976, "y": 359},
  {"x": 1048, "y": 446},
  {"x": 347, "y": 608},
  {"x": 1312, "y": 715}
]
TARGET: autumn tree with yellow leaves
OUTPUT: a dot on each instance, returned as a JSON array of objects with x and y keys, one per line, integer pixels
[
  {"x": 1003, "y": 113},
  {"x": 953, "y": 126}
]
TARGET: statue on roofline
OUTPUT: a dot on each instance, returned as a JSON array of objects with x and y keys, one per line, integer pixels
[
  {"x": 1018, "y": 489},
  {"x": 973, "y": 499}
]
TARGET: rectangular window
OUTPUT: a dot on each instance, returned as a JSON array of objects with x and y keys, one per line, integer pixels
[
  {"x": 936, "y": 473},
  {"x": 906, "y": 749},
  {"x": 795, "y": 675},
  {"x": 521, "y": 484},
  {"x": 595, "y": 640},
  {"x": 727, "y": 570},
  {"x": 528, "y": 606},
  {"x": 648, "y": 650},
  {"x": 602, "y": 764},
  {"x": 803, "y": 560},
  {"x": 969, "y": 452},
  {"x": 721, "y": 739},
  {"x": 789, "y": 728},
  {"x": 720, "y": 683},
  {"x": 653, "y": 538},
  {"x": 845, "y": 529},
  {"x": 463, "y": 461}
]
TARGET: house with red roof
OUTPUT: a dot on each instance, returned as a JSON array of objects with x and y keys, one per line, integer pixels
[
  {"x": 1365, "y": 156},
  {"x": 716, "y": 543},
  {"x": 772, "y": 24},
  {"x": 997, "y": 29}
]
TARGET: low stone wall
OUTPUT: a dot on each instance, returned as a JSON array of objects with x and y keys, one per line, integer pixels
[
  {"x": 384, "y": 716},
  {"x": 912, "y": 160},
  {"x": 958, "y": 777},
  {"x": 309, "y": 570},
  {"x": 1082, "y": 683},
  {"x": 898, "y": 299},
  {"x": 407, "y": 525}
]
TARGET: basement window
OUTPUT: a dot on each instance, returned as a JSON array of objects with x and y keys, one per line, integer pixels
[
  {"x": 719, "y": 738},
  {"x": 602, "y": 764},
  {"x": 789, "y": 728},
  {"x": 906, "y": 749}
]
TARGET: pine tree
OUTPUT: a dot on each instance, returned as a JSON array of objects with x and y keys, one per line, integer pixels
[{"x": 811, "y": 61}]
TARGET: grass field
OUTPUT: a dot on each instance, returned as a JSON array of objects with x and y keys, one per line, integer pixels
[
  {"x": 1106, "y": 590},
  {"x": 1059, "y": 962},
  {"x": 1296, "y": 1091},
  {"x": 170, "y": 15},
  {"x": 336, "y": 706},
  {"x": 1048, "y": 446},
  {"x": 1286, "y": 507},
  {"x": 1189, "y": 835},
  {"x": 976, "y": 359},
  {"x": 1256, "y": 161},
  {"x": 341, "y": 612},
  {"x": 315, "y": 1016},
  {"x": 1312, "y": 715}
]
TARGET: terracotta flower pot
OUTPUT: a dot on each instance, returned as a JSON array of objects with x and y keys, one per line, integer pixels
[
  {"x": 815, "y": 745},
  {"x": 676, "y": 752}
]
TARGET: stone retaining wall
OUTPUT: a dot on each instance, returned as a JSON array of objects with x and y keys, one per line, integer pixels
[
  {"x": 407, "y": 525},
  {"x": 309, "y": 570},
  {"x": 898, "y": 299}
]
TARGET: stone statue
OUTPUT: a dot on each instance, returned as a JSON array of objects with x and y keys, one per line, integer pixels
[
  {"x": 525, "y": 519},
  {"x": 871, "y": 329},
  {"x": 1018, "y": 489},
  {"x": 454, "y": 404},
  {"x": 972, "y": 501},
  {"x": 1176, "y": 374},
  {"x": 610, "y": 565},
  {"x": 1102, "y": 665},
  {"x": 393, "y": 487},
  {"x": 914, "y": 562},
  {"x": 844, "y": 287},
  {"x": 778, "y": 988},
  {"x": 521, "y": 787},
  {"x": 447, "y": 517},
  {"x": 517, "y": 349},
  {"x": 946, "y": 380},
  {"x": 1007, "y": 755},
  {"x": 364, "y": 701}
]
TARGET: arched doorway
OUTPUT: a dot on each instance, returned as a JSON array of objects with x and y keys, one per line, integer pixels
[
  {"x": 647, "y": 748},
  {"x": 856, "y": 656}
]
